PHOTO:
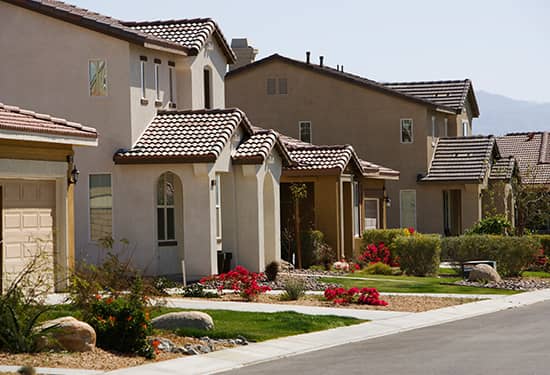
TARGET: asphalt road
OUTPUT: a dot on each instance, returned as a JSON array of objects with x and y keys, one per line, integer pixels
[{"x": 511, "y": 342}]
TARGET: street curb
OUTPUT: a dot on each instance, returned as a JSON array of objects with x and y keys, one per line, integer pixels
[
  {"x": 53, "y": 371},
  {"x": 235, "y": 358}
]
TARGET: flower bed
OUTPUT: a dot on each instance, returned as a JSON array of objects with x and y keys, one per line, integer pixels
[
  {"x": 240, "y": 280},
  {"x": 363, "y": 296}
]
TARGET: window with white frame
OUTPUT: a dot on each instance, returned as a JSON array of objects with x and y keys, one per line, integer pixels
[
  {"x": 407, "y": 130},
  {"x": 101, "y": 206},
  {"x": 171, "y": 82},
  {"x": 372, "y": 213},
  {"x": 157, "y": 80},
  {"x": 142, "y": 66},
  {"x": 166, "y": 209},
  {"x": 465, "y": 128},
  {"x": 407, "y": 203},
  {"x": 97, "y": 76},
  {"x": 218, "y": 208},
  {"x": 305, "y": 131},
  {"x": 356, "y": 209}
]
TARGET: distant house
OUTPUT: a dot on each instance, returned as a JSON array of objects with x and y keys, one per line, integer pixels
[
  {"x": 532, "y": 152},
  {"x": 171, "y": 174},
  {"x": 37, "y": 177},
  {"x": 344, "y": 195},
  {"x": 398, "y": 125}
]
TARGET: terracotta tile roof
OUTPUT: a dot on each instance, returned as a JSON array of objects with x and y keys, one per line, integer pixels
[
  {"x": 362, "y": 81},
  {"x": 310, "y": 158},
  {"x": 188, "y": 36},
  {"x": 22, "y": 120},
  {"x": 185, "y": 137},
  {"x": 256, "y": 148},
  {"x": 503, "y": 169},
  {"x": 532, "y": 152},
  {"x": 451, "y": 94},
  {"x": 466, "y": 159},
  {"x": 191, "y": 34}
]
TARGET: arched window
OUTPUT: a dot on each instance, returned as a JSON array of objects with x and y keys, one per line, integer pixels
[{"x": 166, "y": 223}]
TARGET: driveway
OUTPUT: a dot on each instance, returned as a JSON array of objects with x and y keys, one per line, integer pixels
[{"x": 511, "y": 342}]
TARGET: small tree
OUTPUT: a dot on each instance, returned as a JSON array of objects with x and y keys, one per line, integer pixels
[{"x": 532, "y": 203}]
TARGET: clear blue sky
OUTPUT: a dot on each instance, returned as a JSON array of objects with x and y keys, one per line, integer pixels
[{"x": 502, "y": 45}]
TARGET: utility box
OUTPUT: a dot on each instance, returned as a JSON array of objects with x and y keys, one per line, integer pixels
[{"x": 468, "y": 266}]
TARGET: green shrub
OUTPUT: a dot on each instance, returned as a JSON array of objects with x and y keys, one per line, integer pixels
[
  {"x": 379, "y": 268},
  {"x": 272, "y": 270},
  {"x": 419, "y": 255},
  {"x": 375, "y": 236},
  {"x": 294, "y": 289},
  {"x": 198, "y": 290},
  {"x": 122, "y": 323},
  {"x": 495, "y": 224},
  {"x": 322, "y": 253},
  {"x": 544, "y": 241},
  {"x": 512, "y": 254}
]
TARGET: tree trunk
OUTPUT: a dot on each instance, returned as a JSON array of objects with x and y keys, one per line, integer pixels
[{"x": 298, "y": 236}]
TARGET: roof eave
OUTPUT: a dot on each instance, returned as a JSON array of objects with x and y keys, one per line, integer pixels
[{"x": 119, "y": 159}]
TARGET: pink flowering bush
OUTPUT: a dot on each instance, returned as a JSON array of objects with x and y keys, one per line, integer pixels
[
  {"x": 363, "y": 296},
  {"x": 240, "y": 280},
  {"x": 378, "y": 254}
]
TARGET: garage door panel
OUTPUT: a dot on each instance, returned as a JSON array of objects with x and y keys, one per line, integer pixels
[{"x": 29, "y": 221}]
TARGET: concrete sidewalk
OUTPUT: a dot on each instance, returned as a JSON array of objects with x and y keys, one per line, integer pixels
[
  {"x": 53, "y": 371},
  {"x": 284, "y": 347}
]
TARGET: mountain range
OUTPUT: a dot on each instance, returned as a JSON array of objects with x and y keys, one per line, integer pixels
[{"x": 501, "y": 115}]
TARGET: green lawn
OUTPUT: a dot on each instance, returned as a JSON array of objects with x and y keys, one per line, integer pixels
[
  {"x": 253, "y": 326},
  {"x": 263, "y": 326},
  {"x": 411, "y": 284},
  {"x": 539, "y": 274}
]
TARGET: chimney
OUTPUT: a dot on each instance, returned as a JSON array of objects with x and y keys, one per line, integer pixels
[
  {"x": 321, "y": 58},
  {"x": 342, "y": 68},
  {"x": 245, "y": 53},
  {"x": 338, "y": 67},
  {"x": 308, "y": 55}
]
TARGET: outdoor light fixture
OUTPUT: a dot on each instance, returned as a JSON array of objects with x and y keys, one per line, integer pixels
[
  {"x": 73, "y": 177},
  {"x": 388, "y": 201}
]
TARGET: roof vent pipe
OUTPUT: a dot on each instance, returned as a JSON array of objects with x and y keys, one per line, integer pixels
[
  {"x": 321, "y": 58},
  {"x": 308, "y": 54},
  {"x": 338, "y": 67},
  {"x": 342, "y": 68}
]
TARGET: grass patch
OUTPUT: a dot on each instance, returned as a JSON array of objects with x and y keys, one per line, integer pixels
[
  {"x": 537, "y": 274},
  {"x": 263, "y": 326},
  {"x": 412, "y": 284},
  {"x": 448, "y": 272}
]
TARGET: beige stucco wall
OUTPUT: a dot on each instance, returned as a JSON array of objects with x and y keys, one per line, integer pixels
[{"x": 342, "y": 112}]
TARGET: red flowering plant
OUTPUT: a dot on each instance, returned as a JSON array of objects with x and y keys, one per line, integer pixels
[
  {"x": 378, "y": 254},
  {"x": 363, "y": 296},
  {"x": 540, "y": 262},
  {"x": 241, "y": 280}
]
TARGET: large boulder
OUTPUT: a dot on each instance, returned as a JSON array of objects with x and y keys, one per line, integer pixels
[
  {"x": 484, "y": 272},
  {"x": 66, "y": 333},
  {"x": 184, "y": 319}
]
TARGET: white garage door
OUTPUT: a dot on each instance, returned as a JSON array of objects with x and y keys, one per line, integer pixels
[{"x": 28, "y": 227}]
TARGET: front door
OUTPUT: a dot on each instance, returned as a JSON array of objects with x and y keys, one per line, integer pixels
[{"x": 452, "y": 212}]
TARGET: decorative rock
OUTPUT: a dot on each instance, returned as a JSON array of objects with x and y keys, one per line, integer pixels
[
  {"x": 286, "y": 266},
  {"x": 484, "y": 272},
  {"x": 66, "y": 333},
  {"x": 184, "y": 319}
]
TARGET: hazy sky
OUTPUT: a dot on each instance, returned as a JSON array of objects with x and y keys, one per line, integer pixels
[{"x": 503, "y": 46}]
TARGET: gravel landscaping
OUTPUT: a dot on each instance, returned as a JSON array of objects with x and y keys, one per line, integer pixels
[{"x": 520, "y": 284}]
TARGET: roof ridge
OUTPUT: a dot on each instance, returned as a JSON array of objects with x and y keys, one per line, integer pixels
[
  {"x": 168, "y": 22},
  {"x": 523, "y": 133},
  {"x": 198, "y": 111},
  {"x": 465, "y": 80}
]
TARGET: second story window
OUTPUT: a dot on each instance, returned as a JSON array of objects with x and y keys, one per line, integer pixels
[
  {"x": 305, "y": 131},
  {"x": 465, "y": 128},
  {"x": 407, "y": 130},
  {"x": 207, "y": 88},
  {"x": 97, "y": 74},
  {"x": 157, "y": 80},
  {"x": 142, "y": 61},
  {"x": 272, "y": 84},
  {"x": 171, "y": 82}
]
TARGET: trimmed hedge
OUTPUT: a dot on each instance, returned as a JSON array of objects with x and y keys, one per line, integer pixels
[
  {"x": 376, "y": 236},
  {"x": 512, "y": 254},
  {"x": 419, "y": 255}
]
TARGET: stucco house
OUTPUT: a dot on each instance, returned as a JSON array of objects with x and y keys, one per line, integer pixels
[
  {"x": 344, "y": 194},
  {"x": 37, "y": 177},
  {"x": 170, "y": 169},
  {"x": 532, "y": 152},
  {"x": 397, "y": 125}
]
